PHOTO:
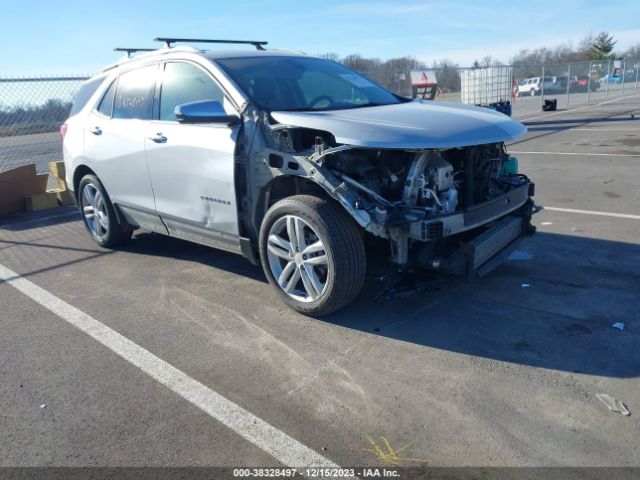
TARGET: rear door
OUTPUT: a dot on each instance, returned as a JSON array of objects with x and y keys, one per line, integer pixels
[
  {"x": 192, "y": 165},
  {"x": 114, "y": 143}
]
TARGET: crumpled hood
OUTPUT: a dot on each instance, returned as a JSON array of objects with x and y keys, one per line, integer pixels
[{"x": 416, "y": 124}]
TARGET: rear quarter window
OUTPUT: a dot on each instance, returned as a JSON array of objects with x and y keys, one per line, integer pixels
[
  {"x": 84, "y": 94},
  {"x": 134, "y": 94},
  {"x": 106, "y": 104}
]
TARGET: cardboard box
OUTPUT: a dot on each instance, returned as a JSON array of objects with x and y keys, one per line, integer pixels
[
  {"x": 63, "y": 195},
  {"x": 57, "y": 170},
  {"x": 17, "y": 184},
  {"x": 41, "y": 201}
]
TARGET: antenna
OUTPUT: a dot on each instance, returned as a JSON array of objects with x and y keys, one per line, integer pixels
[
  {"x": 168, "y": 41},
  {"x": 129, "y": 51}
]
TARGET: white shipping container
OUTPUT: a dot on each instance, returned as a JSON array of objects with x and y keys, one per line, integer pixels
[{"x": 486, "y": 86}]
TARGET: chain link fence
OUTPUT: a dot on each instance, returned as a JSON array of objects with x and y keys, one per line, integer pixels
[
  {"x": 32, "y": 109},
  {"x": 568, "y": 83},
  {"x": 31, "y": 112}
]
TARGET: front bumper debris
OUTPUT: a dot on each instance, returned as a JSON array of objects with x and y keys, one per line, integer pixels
[
  {"x": 472, "y": 217},
  {"x": 483, "y": 253}
]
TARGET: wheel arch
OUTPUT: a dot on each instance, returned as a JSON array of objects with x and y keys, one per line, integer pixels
[
  {"x": 78, "y": 174},
  {"x": 280, "y": 187}
]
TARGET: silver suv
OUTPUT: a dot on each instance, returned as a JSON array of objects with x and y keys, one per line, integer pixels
[{"x": 297, "y": 163}]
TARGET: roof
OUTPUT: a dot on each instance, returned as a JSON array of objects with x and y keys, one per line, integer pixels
[{"x": 210, "y": 54}]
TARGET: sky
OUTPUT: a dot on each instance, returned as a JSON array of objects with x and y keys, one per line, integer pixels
[{"x": 77, "y": 37}]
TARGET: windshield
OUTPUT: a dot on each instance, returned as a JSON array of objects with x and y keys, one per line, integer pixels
[{"x": 303, "y": 83}]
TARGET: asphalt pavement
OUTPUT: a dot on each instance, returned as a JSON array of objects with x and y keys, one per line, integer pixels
[{"x": 499, "y": 372}]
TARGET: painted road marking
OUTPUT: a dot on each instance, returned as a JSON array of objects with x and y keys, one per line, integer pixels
[
  {"x": 568, "y": 128},
  {"x": 570, "y": 110},
  {"x": 582, "y": 154},
  {"x": 594, "y": 212},
  {"x": 276, "y": 443}
]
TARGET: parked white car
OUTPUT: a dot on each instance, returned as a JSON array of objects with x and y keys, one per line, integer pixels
[
  {"x": 297, "y": 163},
  {"x": 534, "y": 85}
]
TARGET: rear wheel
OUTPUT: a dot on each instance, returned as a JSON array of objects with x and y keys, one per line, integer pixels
[
  {"x": 313, "y": 254},
  {"x": 99, "y": 215},
  {"x": 532, "y": 92}
]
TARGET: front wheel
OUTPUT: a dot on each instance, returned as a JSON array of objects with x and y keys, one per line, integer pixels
[{"x": 313, "y": 254}]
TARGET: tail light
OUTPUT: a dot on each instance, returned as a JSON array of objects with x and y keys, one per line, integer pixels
[{"x": 63, "y": 130}]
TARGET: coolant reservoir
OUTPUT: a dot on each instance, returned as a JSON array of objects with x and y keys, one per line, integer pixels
[
  {"x": 451, "y": 200},
  {"x": 510, "y": 167}
]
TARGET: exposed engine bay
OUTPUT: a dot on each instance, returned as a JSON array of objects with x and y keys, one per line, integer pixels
[
  {"x": 413, "y": 198},
  {"x": 432, "y": 181}
]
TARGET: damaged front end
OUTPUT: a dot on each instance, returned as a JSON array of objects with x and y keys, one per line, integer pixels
[{"x": 459, "y": 210}]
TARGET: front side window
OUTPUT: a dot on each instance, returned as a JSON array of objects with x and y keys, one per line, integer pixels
[
  {"x": 185, "y": 83},
  {"x": 134, "y": 94}
]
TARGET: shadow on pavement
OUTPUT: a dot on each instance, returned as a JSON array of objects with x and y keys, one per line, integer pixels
[
  {"x": 44, "y": 218},
  {"x": 160, "y": 245},
  {"x": 555, "y": 311},
  {"x": 578, "y": 288},
  {"x": 561, "y": 125}
]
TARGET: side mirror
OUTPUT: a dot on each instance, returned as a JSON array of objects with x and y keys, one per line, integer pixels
[{"x": 204, "y": 111}]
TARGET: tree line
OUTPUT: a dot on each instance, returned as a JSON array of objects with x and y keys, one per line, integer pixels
[{"x": 393, "y": 73}]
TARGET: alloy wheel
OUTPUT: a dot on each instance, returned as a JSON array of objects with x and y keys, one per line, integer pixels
[
  {"x": 95, "y": 211},
  {"x": 297, "y": 258}
]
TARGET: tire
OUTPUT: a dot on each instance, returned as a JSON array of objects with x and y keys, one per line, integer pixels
[
  {"x": 332, "y": 272},
  {"x": 532, "y": 92},
  {"x": 104, "y": 226}
]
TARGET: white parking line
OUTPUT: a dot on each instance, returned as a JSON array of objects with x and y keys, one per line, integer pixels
[
  {"x": 570, "y": 110},
  {"x": 276, "y": 443},
  {"x": 594, "y": 212},
  {"x": 596, "y": 129},
  {"x": 585, "y": 154}
]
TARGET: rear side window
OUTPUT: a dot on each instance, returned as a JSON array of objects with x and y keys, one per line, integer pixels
[
  {"x": 106, "y": 104},
  {"x": 134, "y": 94},
  {"x": 185, "y": 83},
  {"x": 84, "y": 94}
]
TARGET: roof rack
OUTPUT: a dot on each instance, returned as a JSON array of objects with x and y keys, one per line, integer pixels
[
  {"x": 168, "y": 41},
  {"x": 129, "y": 51}
]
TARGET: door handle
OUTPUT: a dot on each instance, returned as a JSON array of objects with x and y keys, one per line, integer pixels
[
  {"x": 158, "y": 138},
  {"x": 96, "y": 130}
]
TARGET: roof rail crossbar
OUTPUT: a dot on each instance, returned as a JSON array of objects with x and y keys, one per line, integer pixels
[
  {"x": 168, "y": 41},
  {"x": 129, "y": 51}
]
